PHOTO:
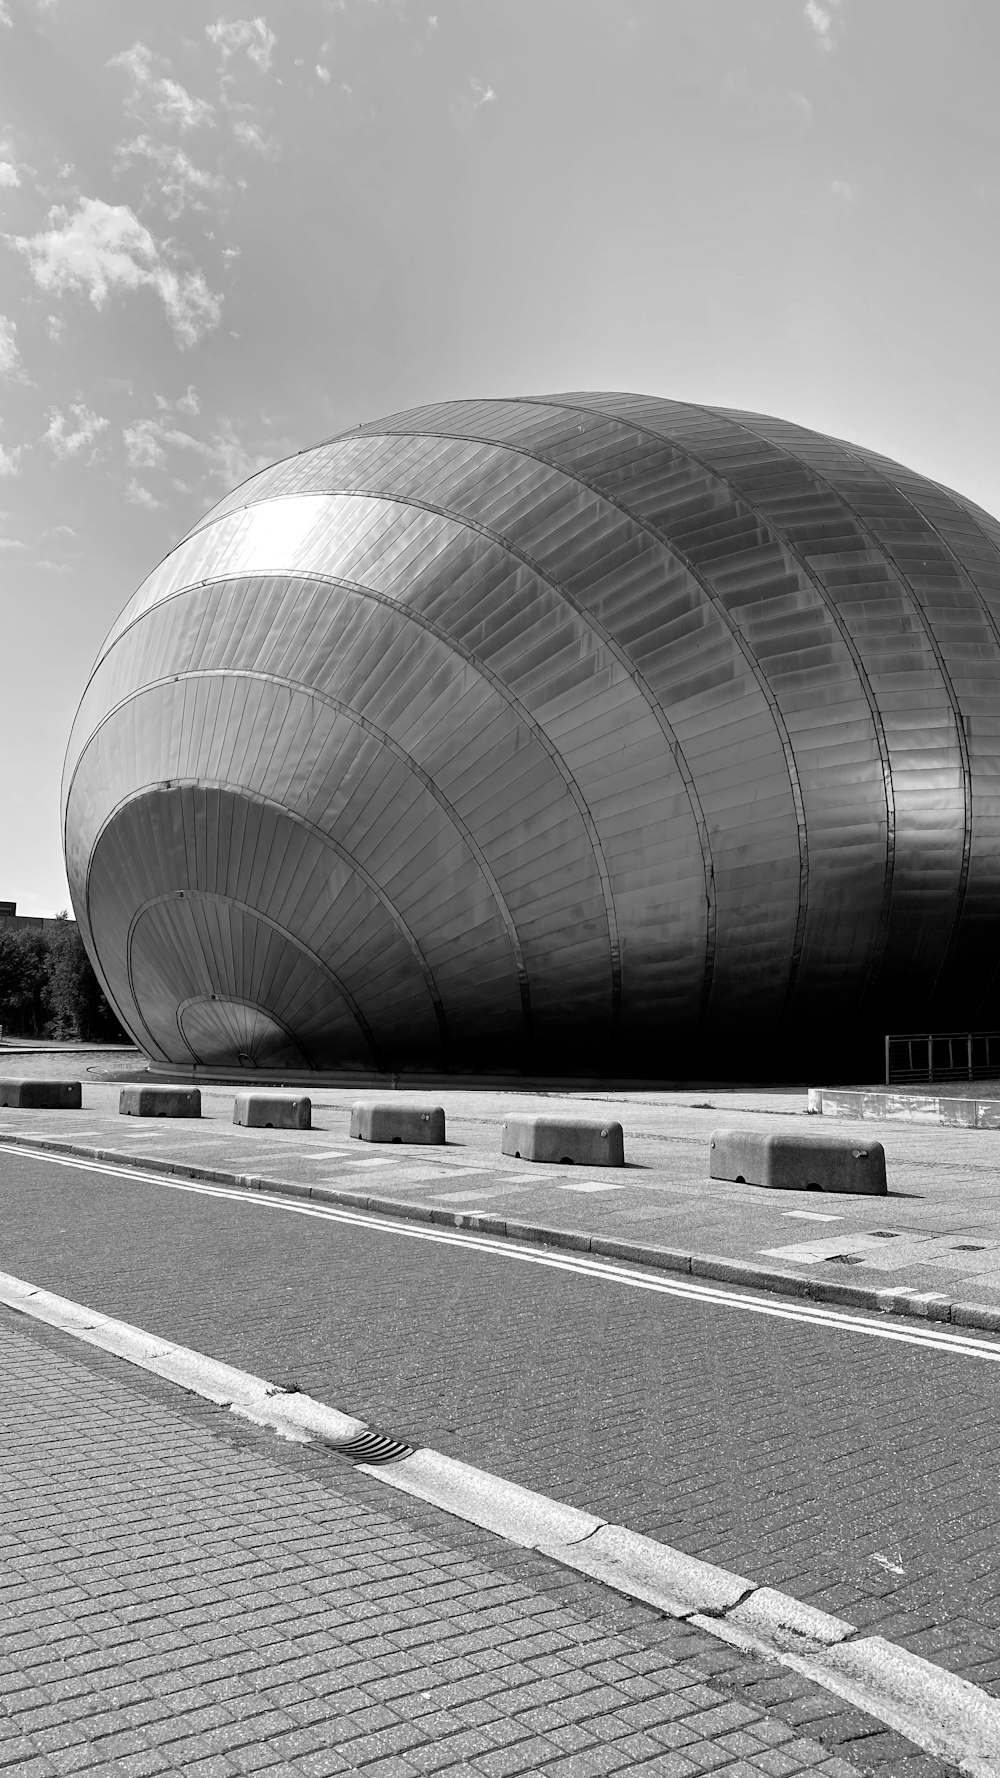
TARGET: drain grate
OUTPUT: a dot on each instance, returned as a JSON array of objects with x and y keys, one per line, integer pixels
[
  {"x": 967, "y": 1247},
  {"x": 844, "y": 1259},
  {"x": 374, "y": 1447}
]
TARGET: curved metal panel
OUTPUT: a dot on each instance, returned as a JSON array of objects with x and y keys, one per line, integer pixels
[{"x": 585, "y": 730}]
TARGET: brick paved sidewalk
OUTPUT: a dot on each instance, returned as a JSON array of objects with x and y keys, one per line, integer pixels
[
  {"x": 938, "y": 1230},
  {"x": 180, "y": 1594}
]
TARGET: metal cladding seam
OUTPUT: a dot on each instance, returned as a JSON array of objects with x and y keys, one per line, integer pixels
[{"x": 573, "y": 732}]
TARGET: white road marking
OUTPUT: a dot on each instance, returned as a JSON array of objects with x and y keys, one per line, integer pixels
[
  {"x": 813, "y": 1215},
  {"x": 583, "y": 1265}
]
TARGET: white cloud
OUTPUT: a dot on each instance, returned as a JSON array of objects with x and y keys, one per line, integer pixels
[
  {"x": 10, "y": 461},
  {"x": 250, "y": 136},
  {"x": 251, "y": 35},
  {"x": 802, "y": 105},
  {"x": 71, "y": 438},
  {"x": 10, "y": 543},
  {"x": 189, "y": 402},
  {"x": 323, "y": 74},
  {"x": 178, "y": 183},
  {"x": 142, "y": 444},
  {"x": 9, "y": 174},
  {"x": 481, "y": 94},
  {"x": 823, "y": 19},
  {"x": 55, "y": 327},
  {"x": 844, "y": 190},
  {"x": 9, "y": 355},
  {"x": 148, "y": 443},
  {"x": 141, "y": 496},
  {"x": 168, "y": 101},
  {"x": 5, "y": 18},
  {"x": 104, "y": 248}
]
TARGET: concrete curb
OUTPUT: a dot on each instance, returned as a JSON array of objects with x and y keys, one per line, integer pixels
[
  {"x": 915, "y": 1108},
  {"x": 929, "y": 1305},
  {"x": 945, "y": 1715}
]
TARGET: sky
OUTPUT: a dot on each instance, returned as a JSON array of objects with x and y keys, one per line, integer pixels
[{"x": 225, "y": 235}]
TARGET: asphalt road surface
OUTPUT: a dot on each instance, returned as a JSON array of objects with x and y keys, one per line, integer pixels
[{"x": 853, "y": 1471}]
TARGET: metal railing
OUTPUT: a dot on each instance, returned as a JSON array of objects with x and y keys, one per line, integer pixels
[{"x": 942, "y": 1055}]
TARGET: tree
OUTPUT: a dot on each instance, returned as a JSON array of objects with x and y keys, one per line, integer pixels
[
  {"x": 24, "y": 969},
  {"x": 48, "y": 989},
  {"x": 76, "y": 1004}
]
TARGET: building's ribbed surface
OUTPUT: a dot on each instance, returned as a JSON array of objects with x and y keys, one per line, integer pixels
[{"x": 588, "y": 731}]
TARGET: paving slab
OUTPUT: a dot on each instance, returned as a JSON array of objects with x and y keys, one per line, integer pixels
[{"x": 182, "y": 1593}]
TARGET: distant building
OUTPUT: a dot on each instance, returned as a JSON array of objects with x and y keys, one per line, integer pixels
[{"x": 10, "y": 919}]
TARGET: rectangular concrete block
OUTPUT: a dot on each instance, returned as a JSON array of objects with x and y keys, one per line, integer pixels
[
  {"x": 142, "y": 1101},
  {"x": 541, "y": 1136},
  {"x": 784, "y": 1162},
  {"x": 382, "y": 1120},
  {"x": 273, "y": 1111},
  {"x": 42, "y": 1095}
]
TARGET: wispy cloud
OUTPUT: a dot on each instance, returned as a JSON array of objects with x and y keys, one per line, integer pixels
[
  {"x": 323, "y": 74},
  {"x": 843, "y": 189},
  {"x": 176, "y": 181},
  {"x": 140, "y": 496},
  {"x": 103, "y": 249},
  {"x": 475, "y": 95},
  {"x": 10, "y": 358},
  {"x": 143, "y": 449},
  {"x": 10, "y": 461},
  {"x": 11, "y": 543},
  {"x": 154, "y": 443},
  {"x": 158, "y": 95},
  {"x": 9, "y": 174},
  {"x": 188, "y": 403},
  {"x": 68, "y": 438},
  {"x": 802, "y": 105},
  {"x": 250, "y": 135},
  {"x": 5, "y": 18},
  {"x": 252, "y": 36},
  {"x": 822, "y": 16}
]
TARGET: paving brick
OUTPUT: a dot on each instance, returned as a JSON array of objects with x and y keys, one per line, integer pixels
[{"x": 251, "y": 1610}]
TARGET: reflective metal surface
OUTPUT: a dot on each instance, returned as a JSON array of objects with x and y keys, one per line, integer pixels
[{"x": 590, "y": 731}]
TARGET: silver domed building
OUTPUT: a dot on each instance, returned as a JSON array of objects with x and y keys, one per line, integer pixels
[{"x": 586, "y": 732}]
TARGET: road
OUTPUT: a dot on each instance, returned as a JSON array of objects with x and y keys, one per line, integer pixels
[{"x": 815, "y": 1453}]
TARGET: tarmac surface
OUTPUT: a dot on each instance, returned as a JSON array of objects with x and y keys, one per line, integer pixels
[{"x": 854, "y": 1472}]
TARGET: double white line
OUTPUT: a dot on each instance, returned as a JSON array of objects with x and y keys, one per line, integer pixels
[{"x": 933, "y": 1337}]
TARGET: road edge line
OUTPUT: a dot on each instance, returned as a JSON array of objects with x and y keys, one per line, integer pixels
[
  {"x": 919, "y": 1305},
  {"x": 935, "y": 1709}
]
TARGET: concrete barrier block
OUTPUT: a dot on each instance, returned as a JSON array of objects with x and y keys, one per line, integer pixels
[
  {"x": 539, "y": 1136},
  {"x": 272, "y": 1111},
  {"x": 382, "y": 1120},
  {"x": 41, "y": 1095},
  {"x": 141, "y": 1101},
  {"x": 798, "y": 1163}
]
